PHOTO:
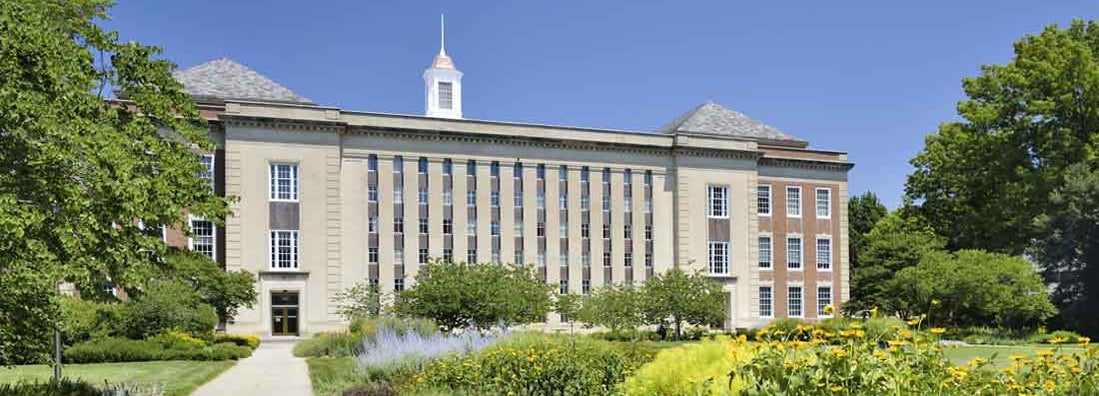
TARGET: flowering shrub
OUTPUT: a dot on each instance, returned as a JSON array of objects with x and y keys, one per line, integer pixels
[
  {"x": 532, "y": 365},
  {"x": 693, "y": 369},
  {"x": 404, "y": 350},
  {"x": 899, "y": 361}
]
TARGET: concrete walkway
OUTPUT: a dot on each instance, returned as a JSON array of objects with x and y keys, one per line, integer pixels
[{"x": 271, "y": 370}]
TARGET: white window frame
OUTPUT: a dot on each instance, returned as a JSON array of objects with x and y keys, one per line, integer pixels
[
  {"x": 770, "y": 301},
  {"x": 800, "y": 255},
  {"x": 800, "y": 300},
  {"x": 816, "y": 249},
  {"x": 796, "y": 204},
  {"x": 770, "y": 199},
  {"x": 372, "y": 193},
  {"x": 446, "y": 97},
  {"x": 208, "y": 174},
  {"x": 770, "y": 252},
  {"x": 820, "y": 307},
  {"x": 273, "y": 181},
  {"x": 711, "y": 205},
  {"x": 295, "y": 255},
  {"x": 827, "y": 207},
  {"x": 713, "y": 256},
  {"x": 213, "y": 236}
]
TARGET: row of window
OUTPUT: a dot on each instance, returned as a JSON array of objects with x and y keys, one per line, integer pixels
[
  {"x": 718, "y": 196},
  {"x": 794, "y": 301},
  {"x": 719, "y": 254},
  {"x": 494, "y": 169}
]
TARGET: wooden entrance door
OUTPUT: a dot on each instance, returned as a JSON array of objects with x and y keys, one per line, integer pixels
[{"x": 284, "y": 314}]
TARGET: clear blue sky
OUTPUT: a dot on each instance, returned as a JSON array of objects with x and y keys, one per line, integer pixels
[{"x": 868, "y": 77}]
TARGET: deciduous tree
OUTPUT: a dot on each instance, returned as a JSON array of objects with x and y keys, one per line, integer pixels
[
  {"x": 895, "y": 243},
  {"x": 678, "y": 297},
  {"x": 85, "y": 183}
]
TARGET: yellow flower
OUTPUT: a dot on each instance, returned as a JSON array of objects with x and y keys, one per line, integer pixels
[
  {"x": 905, "y": 334},
  {"x": 838, "y": 352},
  {"x": 913, "y": 322},
  {"x": 938, "y": 330},
  {"x": 977, "y": 361},
  {"x": 1015, "y": 358},
  {"x": 897, "y": 343},
  {"x": 1076, "y": 369},
  {"x": 1044, "y": 352},
  {"x": 856, "y": 326},
  {"x": 829, "y": 309},
  {"x": 1049, "y": 385},
  {"x": 1056, "y": 340},
  {"x": 874, "y": 312},
  {"x": 836, "y": 388},
  {"x": 1083, "y": 340}
]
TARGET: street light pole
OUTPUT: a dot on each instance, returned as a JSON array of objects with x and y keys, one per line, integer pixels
[{"x": 57, "y": 348}]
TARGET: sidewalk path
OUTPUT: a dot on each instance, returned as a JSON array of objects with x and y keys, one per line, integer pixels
[{"x": 271, "y": 370}]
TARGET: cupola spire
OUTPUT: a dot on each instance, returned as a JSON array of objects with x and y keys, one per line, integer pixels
[{"x": 443, "y": 82}]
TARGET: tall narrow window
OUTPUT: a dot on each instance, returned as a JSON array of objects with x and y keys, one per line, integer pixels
[
  {"x": 202, "y": 237},
  {"x": 422, "y": 195},
  {"x": 627, "y": 259},
  {"x": 763, "y": 200},
  {"x": 517, "y": 170},
  {"x": 448, "y": 226},
  {"x": 719, "y": 258},
  {"x": 471, "y": 168},
  {"x": 372, "y": 224},
  {"x": 793, "y": 201},
  {"x": 284, "y": 182},
  {"x": 495, "y": 228},
  {"x": 518, "y": 198},
  {"x": 793, "y": 253},
  {"x": 494, "y": 199},
  {"x": 372, "y": 193},
  {"x": 448, "y": 197},
  {"x": 824, "y": 203},
  {"x": 564, "y": 286},
  {"x": 284, "y": 249},
  {"x": 585, "y": 286},
  {"x": 606, "y": 203},
  {"x": 446, "y": 95},
  {"x": 541, "y": 200},
  {"x": 448, "y": 167},
  {"x": 824, "y": 254},
  {"x": 398, "y": 256},
  {"x": 585, "y": 175},
  {"x": 541, "y": 172},
  {"x": 372, "y": 163},
  {"x": 398, "y": 164},
  {"x": 448, "y": 255},
  {"x": 398, "y": 195},
  {"x": 765, "y": 301},
  {"x": 494, "y": 169},
  {"x": 824, "y": 299},
  {"x": 372, "y": 255},
  {"x": 563, "y": 173},
  {"x": 424, "y": 256},
  {"x": 765, "y": 252},
  {"x": 423, "y": 226},
  {"x": 421, "y": 166},
  {"x": 398, "y": 284},
  {"x": 606, "y": 175},
  {"x": 471, "y": 256},
  {"x": 793, "y": 301},
  {"x": 398, "y": 225},
  {"x": 719, "y": 201},
  {"x": 471, "y": 198},
  {"x": 518, "y": 228},
  {"x": 207, "y": 172}
]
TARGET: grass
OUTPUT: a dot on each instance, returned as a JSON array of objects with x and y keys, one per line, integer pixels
[
  {"x": 331, "y": 376},
  {"x": 999, "y": 354},
  {"x": 178, "y": 378}
]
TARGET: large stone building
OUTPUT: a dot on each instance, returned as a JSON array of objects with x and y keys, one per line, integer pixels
[{"x": 331, "y": 197}]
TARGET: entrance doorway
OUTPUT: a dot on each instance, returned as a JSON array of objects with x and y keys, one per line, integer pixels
[{"x": 284, "y": 313}]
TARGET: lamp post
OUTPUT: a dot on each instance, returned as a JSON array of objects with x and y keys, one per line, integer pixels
[{"x": 57, "y": 348}]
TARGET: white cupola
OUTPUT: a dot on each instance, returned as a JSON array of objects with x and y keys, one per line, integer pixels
[{"x": 443, "y": 83}]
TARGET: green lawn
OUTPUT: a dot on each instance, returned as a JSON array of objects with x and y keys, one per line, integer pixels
[
  {"x": 999, "y": 354},
  {"x": 178, "y": 378}
]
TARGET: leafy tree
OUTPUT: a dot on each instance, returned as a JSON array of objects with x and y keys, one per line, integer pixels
[
  {"x": 895, "y": 243},
  {"x": 168, "y": 305},
  {"x": 1069, "y": 248},
  {"x": 459, "y": 295},
  {"x": 983, "y": 180},
  {"x": 863, "y": 212},
  {"x": 568, "y": 305},
  {"x": 226, "y": 291},
  {"x": 678, "y": 297},
  {"x": 363, "y": 300},
  {"x": 614, "y": 307},
  {"x": 973, "y": 288},
  {"x": 76, "y": 171}
]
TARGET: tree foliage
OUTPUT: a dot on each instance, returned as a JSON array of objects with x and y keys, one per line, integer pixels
[
  {"x": 168, "y": 305},
  {"x": 983, "y": 180},
  {"x": 863, "y": 213},
  {"x": 615, "y": 307},
  {"x": 1069, "y": 248},
  {"x": 226, "y": 291},
  {"x": 77, "y": 172},
  {"x": 896, "y": 242},
  {"x": 481, "y": 295},
  {"x": 678, "y": 297},
  {"x": 363, "y": 300},
  {"x": 973, "y": 288}
]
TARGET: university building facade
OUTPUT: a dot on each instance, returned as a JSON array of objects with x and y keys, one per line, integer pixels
[{"x": 328, "y": 198}]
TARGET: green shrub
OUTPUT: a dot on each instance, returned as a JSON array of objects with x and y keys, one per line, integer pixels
[
  {"x": 168, "y": 305},
  {"x": 786, "y": 325},
  {"x": 67, "y": 387},
  {"x": 329, "y": 345},
  {"x": 882, "y": 328},
  {"x": 113, "y": 350},
  {"x": 1057, "y": 337},
  {"x": 693, "y": 369},
  {"x": 249, "y": 340},
  {"x": 531, "y": 364},
  {"x": 369, "y": 326},
  {"x": 626, "y": 335},
  {"x": 82, "y": 320}
]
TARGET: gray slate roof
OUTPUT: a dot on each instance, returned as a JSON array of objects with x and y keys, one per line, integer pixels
[
  {"x": 224, "y": 78},
  {"x": 712, "y": 119}
]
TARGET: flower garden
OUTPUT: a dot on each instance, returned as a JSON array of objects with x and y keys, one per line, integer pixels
[{"x": 878, "y": 356}]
